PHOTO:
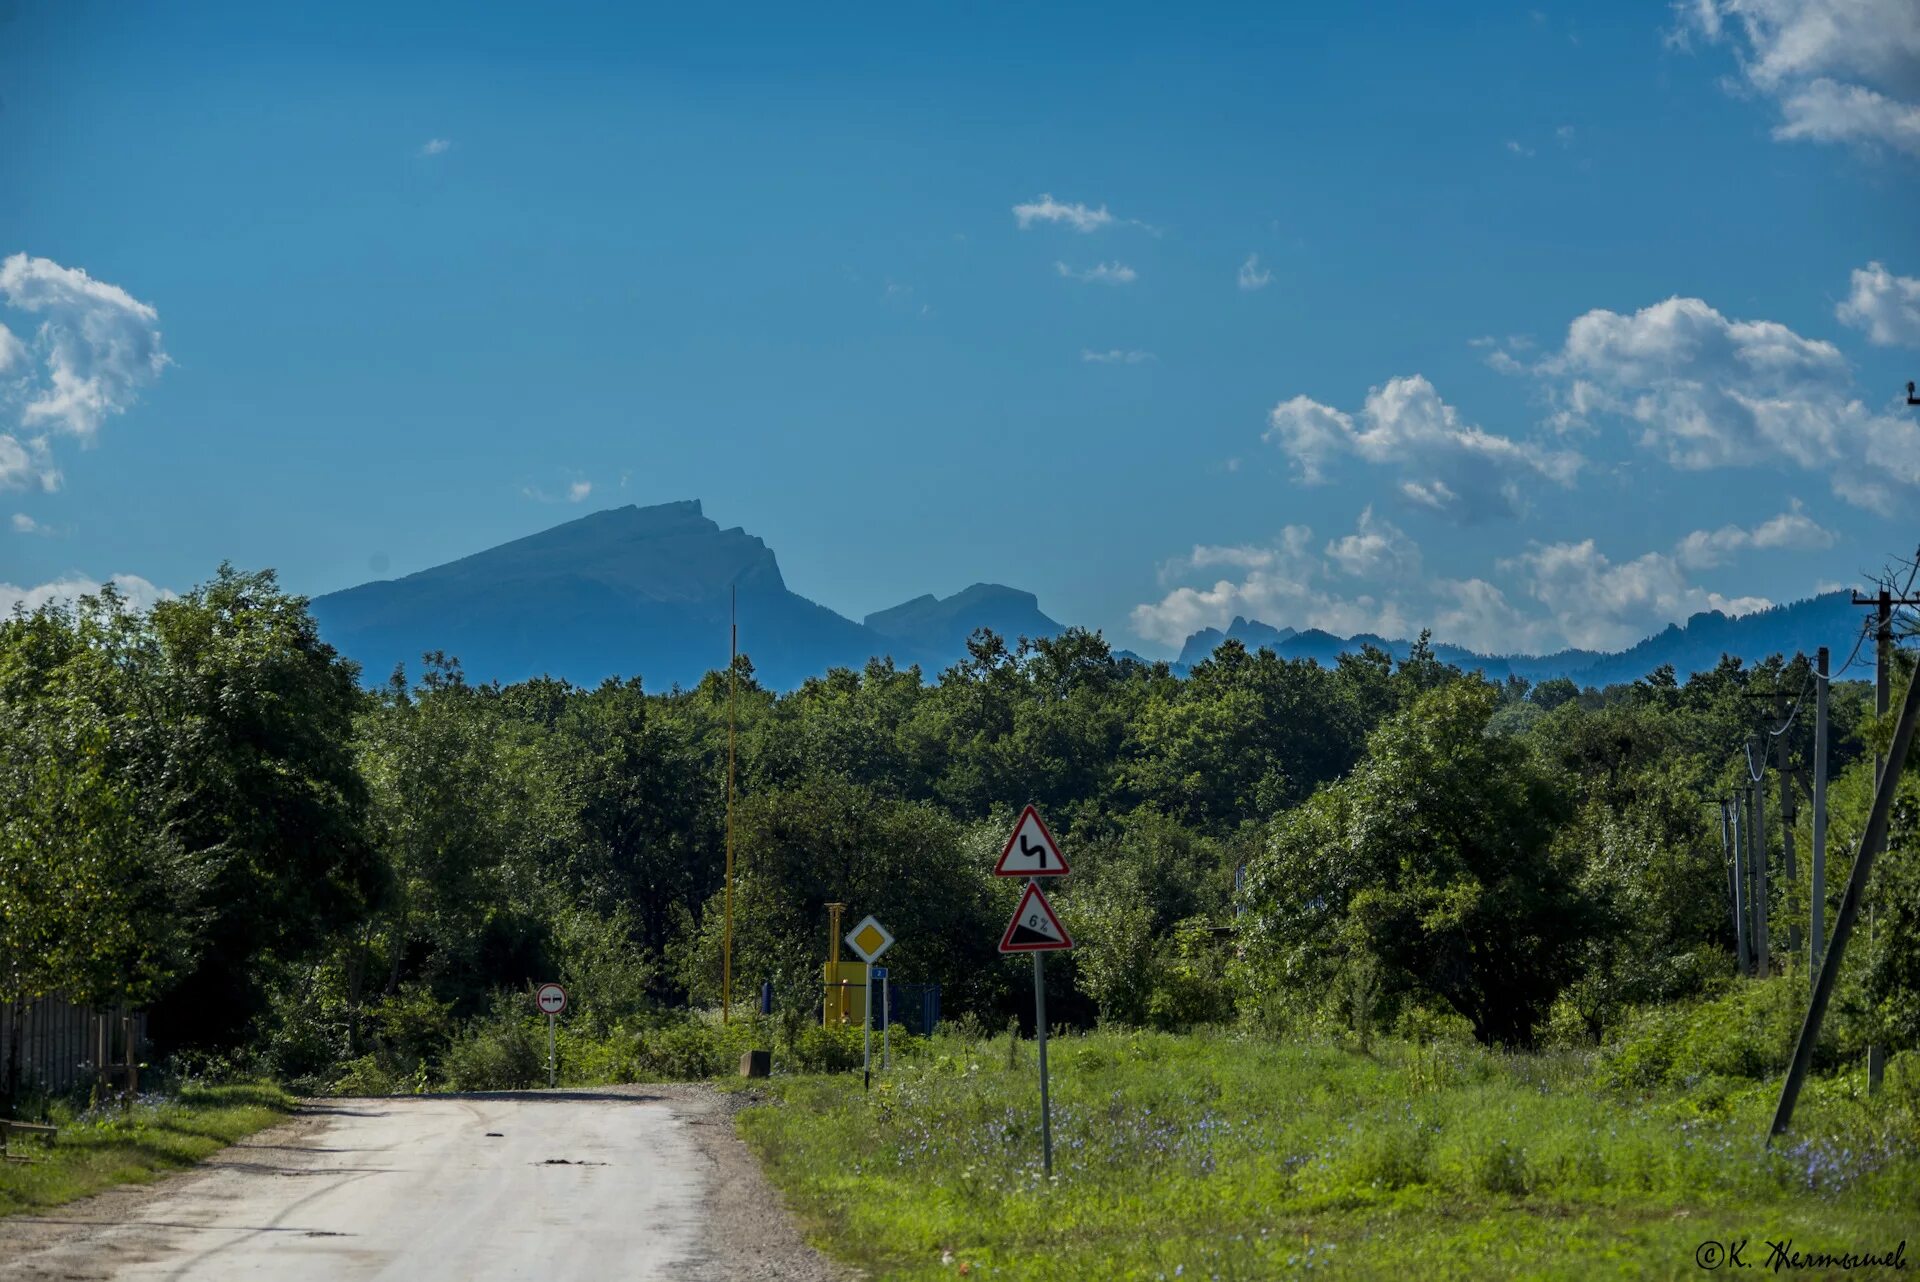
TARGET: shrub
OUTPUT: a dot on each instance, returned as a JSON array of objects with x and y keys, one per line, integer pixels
[{"x": 500, "y": 1051}]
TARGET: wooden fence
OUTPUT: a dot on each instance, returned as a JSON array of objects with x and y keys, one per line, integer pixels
[{"x": 62, "y": 1046}]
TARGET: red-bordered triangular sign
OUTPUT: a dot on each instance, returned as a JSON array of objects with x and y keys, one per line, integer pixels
[
  {"x": 1031, "y": 851},
  {"x": 1034, "y": 928}
]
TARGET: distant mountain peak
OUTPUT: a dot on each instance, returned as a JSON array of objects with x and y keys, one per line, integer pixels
[{"x": 644, "y": 591}]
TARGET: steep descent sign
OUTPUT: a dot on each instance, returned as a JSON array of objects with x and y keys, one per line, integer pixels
[
  {"x": 1034, "y": 928},
  {"x": 1031, "y": 851}
]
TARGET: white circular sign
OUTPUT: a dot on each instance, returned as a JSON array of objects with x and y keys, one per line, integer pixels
[{"x": 551, "y": 999}]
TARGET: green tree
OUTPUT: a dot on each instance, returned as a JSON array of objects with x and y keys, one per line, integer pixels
[{"x": 1436, "y": 858}]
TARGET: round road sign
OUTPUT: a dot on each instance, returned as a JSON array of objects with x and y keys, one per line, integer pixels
[{"x": 551, "y": 999}]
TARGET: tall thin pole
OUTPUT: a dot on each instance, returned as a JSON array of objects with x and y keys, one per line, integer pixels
[
  {"x": 1732, "y": 853},
  {"x": 1040, "y": 1032},
  {"x": 1870, "y": 843},
  {"x": 1818, "y": 918},
  {"x": 1757, "y": 867},
  {"x": 1737, "y": 807},
  {"x": 733, "y": 702},
  {"x": 1789, "y": 866}
]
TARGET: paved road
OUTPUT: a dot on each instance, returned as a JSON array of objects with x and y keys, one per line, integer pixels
[{"x": 645, "y": 1183}]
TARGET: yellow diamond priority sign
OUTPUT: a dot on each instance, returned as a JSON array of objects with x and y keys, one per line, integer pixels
[{"x": 869, "y": 939}]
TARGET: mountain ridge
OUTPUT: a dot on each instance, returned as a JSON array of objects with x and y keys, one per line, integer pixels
[{"x": 647, "y": 591}]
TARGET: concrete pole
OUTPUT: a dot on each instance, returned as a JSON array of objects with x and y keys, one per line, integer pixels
[
  {"x": 1817, "y": 920},
  {"x": 1757, "y": 868},
  {"x": 1732, "y": 854},
  {"x": 1789, "y": 866},
  {"x": 1736, "y": 806}
]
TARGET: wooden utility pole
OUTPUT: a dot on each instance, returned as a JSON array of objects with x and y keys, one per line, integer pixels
[
  {"x": 1870, "y": 842},
  {"x": 1817, "y": 918},
  {"x": 1882, "y": 602},
  {"x": 833, "y": 967}
]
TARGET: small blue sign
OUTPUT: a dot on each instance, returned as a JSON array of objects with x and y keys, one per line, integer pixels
[{"x": 879, "y": 974}]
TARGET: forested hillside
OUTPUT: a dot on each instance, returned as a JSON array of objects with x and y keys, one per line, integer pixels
[{"x": 207, "y": 811}]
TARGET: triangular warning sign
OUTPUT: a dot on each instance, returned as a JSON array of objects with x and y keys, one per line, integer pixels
[
  {"x": 1031, "y": 851},
  {"x": 1034, "y": 928}
]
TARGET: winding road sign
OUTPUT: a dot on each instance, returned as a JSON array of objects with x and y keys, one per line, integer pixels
[
  {"x": 1031, "y": 851},
  {"x": 1034, "y": 928}
]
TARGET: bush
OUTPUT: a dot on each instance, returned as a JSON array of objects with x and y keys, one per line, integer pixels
[
  {"x": 1748, "y": 1031},
  {"x": 500, "y": 1051},
  {"x": 827, "y": 1050}
]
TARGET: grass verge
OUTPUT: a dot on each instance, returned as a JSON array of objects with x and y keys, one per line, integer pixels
[
  {"x": 100, "y": 1148},
  {"x": 1214, "y": 1157}
]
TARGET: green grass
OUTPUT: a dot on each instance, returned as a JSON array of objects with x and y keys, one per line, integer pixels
[
  {"x": 110, "y": 1146},
  {"x": 1210, "y": 1156}
]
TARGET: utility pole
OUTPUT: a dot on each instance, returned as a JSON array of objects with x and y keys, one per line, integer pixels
[
  {"x": 1788, "y": 864},
  {"x": 1757, "y": 867},
  {"x": 1882, "y": 602},
  {"x": 733, "y": 703},
  {"x": 1737, "y": 805},
  {"x": 1818, "y": 917},
  {"x": 1870, "y": 842},
  {"x": 1732, "y": 851}
]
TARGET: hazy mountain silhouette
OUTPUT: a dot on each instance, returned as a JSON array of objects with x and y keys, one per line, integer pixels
[
  {"x": 1829, "y": 619},
  {"x": 935, "y": 627},
  {"x": 636, "y": 591}
]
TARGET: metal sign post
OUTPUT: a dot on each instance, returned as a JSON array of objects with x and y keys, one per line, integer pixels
[
  {"x": 551, "y": 999},
  {"x": 1035, "y": 928},
  {"x": 878, "y": 975},
  {"x": 869, "y": 939},
  {"x": 1040, "y": 1034}
]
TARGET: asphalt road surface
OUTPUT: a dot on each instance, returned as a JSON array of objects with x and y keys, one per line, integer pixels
[{"x": 628, "y": 1183}]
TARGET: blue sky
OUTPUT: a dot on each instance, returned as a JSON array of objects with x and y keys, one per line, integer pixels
[{"x": 1540, "y": 324}]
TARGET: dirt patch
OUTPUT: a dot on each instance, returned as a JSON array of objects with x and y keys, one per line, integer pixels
[{"x": 751, "y": 1237}]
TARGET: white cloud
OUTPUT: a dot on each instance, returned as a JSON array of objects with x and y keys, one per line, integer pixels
[
  {"x": 435, "y": 146},
  {"x": 98, "y": 344},
  {"x": 1517, "y": 149},
  {"x": 578, "y": 491},
  {"x": 24, "y": 524},
  {"x": 1377, "y": 548},
  {"x": 1886, "y": 306},
  {"x": 1597, "y": 603},
  {"x": 139, "y": 593},
  {"x": 1843, "y": 71},
  {"x": 1455, "y": 468},
  {"x": 1792, "y": 529},
  {"x": 1709, "y": 392},
  {"x": 1081, "y": 218},
  {"x": 1115, "y": 356},
  {"x": 13, "y": 352},
  {"x": 1252, "y": 275},
  {"x": 26, "y": 465},
  {"x": 1564, "y": 135},
  {"x": 1547, "y": 598},
  {"x": 1100, "y": 273}
]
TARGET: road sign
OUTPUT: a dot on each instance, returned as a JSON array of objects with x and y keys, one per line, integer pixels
[
  {"x": 1031, "y": 851},
  {"x": 869, "y": 939},
  {"x": 1034, "y": 928},
  {"x": 551, "y": 999}
]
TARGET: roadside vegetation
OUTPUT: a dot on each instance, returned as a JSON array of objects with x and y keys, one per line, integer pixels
[
  {"x": 118, "y": 1143},
  {"x": 1232, "y": 1156},
  {"x": 1372, "y": 874}
]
